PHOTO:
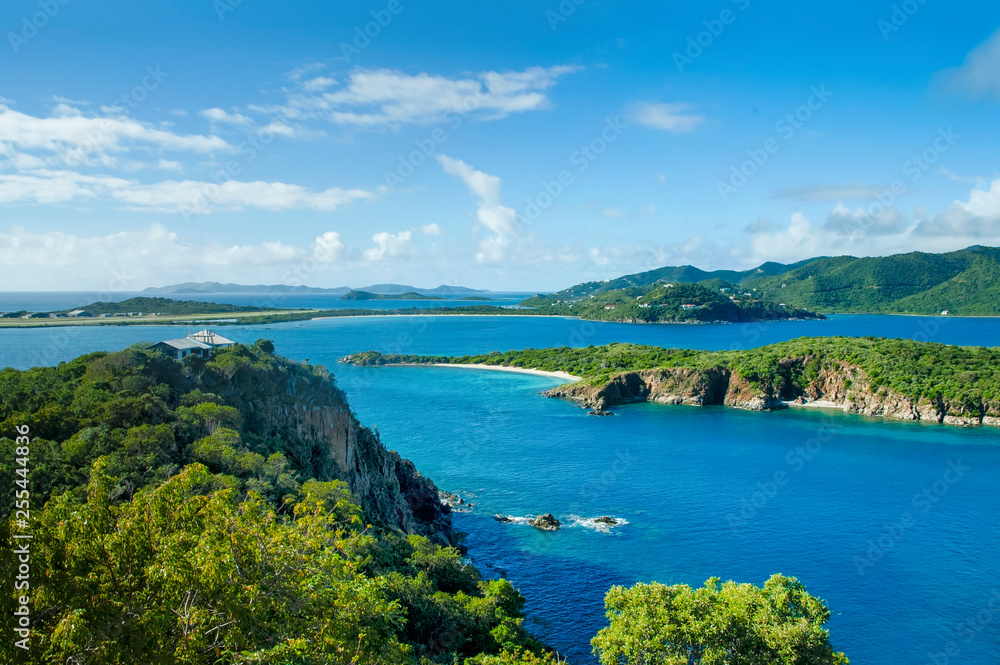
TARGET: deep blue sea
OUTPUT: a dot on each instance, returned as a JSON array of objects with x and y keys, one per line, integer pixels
[{"x": 903, "y": 575}]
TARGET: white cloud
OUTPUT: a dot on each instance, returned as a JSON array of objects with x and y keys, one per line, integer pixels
[
  {"x": 317, "y": 84},
  {"x": 264, "y": 254},
  {"x": 432, "y": 230},
  {"x": 846, "y": 231},
  {"x": 168, "y": 165},
  {"x": 133, "y": 259},
  {"x": 190, "y": 196},
  {"x": 886, "y": 221},
  {"x": 328, "y": 247},
  {"x": 74, "y": 138},
  {"x": 499, "y": 219},
  {"x": 247, "y": 123},
  {"x": 219, "y": 115},
  {"x": 279, "y": 128},
  {"x": 385, "y": 97},
  {"x": 978, "y": 218},
  {"x": 979, "y": 75},
  {"x": 666, "y": 117},
  {"x": 389, "y": 245}
]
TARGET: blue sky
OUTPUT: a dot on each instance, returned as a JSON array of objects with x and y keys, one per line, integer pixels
[{"x": 508, "y": 145}]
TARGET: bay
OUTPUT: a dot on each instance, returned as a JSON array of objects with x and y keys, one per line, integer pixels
[{"x": 681, "y": 477}]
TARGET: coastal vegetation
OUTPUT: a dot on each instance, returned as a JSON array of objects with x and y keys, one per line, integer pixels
[
  {"x": 232, "y": 510},
  {"x": 892, "y": 377},
  {"x": 180, "y": 515},
  {"x": 166, "y": 306},
  {"x": 777, "y": 624}
]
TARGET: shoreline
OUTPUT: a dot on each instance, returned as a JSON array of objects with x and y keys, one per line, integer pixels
[
  {"x": 498, "y": 368},
  {"x": 815, "y": 404}
]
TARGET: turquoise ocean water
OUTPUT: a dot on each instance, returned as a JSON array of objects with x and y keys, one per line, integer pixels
[{"x": 903, "y": 575}]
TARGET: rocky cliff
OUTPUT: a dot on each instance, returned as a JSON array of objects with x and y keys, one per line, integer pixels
[
  {"x": 302, "y": 408},
  {"x": 843, "y": 385}
]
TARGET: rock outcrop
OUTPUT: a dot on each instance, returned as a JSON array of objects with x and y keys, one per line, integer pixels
[
  {"x": 303, "y": 408},
  {"x": 843, "y": 385},
  {"x": 546, "y": 522}
]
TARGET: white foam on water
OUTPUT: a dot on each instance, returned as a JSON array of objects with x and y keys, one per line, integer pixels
[{"x": 594, "y": 525}]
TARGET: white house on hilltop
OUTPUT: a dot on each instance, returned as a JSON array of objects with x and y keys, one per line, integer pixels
[{"x": 202, "y": 343}]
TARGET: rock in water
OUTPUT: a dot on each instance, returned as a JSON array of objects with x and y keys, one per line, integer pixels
[
  {"x": 546, "y": 522},
  {"x": 606, "y": 520},
  {"x": 502, "y": 518}
]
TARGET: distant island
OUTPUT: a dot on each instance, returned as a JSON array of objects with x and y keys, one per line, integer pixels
[
  {"x": 140, "y": 310},
  {"x": 367, "y": 295},
  {"x": 965, "y": 283},
  {"x": 202, "y": 288},
  {"x": 891, "y": 378}
]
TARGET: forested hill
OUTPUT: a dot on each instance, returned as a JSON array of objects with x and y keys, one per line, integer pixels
[
  {"x": 226, "y": 511},
  {"x": 669, "y": 303},
  {"x": 965, "y": 282},
  {"x": 898, "y": 379}
]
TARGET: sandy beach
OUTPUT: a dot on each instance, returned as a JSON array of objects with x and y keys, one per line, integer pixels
[
  {"x": 815, "y": 404},
  {"x": 504, "y": 368}
]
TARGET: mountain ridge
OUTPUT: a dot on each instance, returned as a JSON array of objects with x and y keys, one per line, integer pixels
[{"x": 963, "y": 282}]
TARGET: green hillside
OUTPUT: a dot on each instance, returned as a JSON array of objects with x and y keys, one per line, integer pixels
[
  {"x": 148, "y": 305},
  {"x": 965, "y": 282},
  {"x": 713, "y": 300}
]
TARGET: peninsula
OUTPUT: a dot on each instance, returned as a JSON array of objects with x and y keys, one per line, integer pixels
[{"x": 890, "y": 378}]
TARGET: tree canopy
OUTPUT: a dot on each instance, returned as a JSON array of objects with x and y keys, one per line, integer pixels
[{"x": 718, "y": 624}]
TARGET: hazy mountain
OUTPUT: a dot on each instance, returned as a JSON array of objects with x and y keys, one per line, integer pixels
[{"x": 216, "y": 287}]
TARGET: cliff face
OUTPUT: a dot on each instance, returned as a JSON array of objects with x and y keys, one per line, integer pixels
[
  {"x": 318, "y": 431},
  {"x": 843, "y": 385}
]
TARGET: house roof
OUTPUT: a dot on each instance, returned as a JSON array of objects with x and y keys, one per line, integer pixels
[
  {"x": 210, "y": 337},
  {"x": 184, "y": 344}
]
